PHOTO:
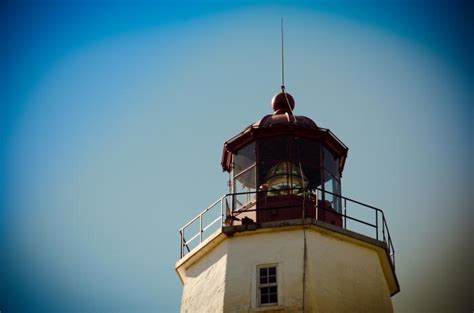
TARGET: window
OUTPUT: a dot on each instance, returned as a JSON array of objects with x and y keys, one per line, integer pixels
[
  {"x": 333, "y": 186},
  {"x": 331, "y": 162},
  {"x": 244, "y": 158},
  {"x": 244, "y": 177},
  {"x": 267, "y": 285}
]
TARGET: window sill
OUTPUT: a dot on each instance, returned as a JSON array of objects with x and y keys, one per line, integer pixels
[{"x": 268, "y": 308}]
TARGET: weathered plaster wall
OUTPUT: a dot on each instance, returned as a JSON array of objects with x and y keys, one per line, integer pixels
[
  {"x": 249, "y": 249},
  {"x": 344, "y": 277},
  {"x": 340, "y": 275},
  {"x": 205, "y": 281}
]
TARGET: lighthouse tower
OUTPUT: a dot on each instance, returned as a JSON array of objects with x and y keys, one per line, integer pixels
[{"x": 285, "y": 239}]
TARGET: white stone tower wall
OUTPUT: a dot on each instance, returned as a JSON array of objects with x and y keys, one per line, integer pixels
[
  {"x": 343, "y": 277},
  {"x": 204, "y": 283},
  {"x": 339, "y": 275},
  {"x": 250, "y": 249}
]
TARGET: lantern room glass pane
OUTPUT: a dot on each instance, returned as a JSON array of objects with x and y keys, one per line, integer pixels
[
  {"x": 295, "y": 150},
  {"x": 313, "y": 176},
  {"x": 306, "y": 151},
  {"x": 244, "y": 176},
  {"x": 271, "y": 151},
  {"x": 244, "y": 187},
  {"x": 332, "y": 189},
  {"x": 245, "y": 181},
  {"x": 331, "y": 162},
  {"x": 244, "y": 158}
]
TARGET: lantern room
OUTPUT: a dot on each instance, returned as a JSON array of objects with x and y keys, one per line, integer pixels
[{"x": 284, "y": 167}]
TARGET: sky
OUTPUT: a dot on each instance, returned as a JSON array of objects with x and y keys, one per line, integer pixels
[{"x": 113, "y": 115}]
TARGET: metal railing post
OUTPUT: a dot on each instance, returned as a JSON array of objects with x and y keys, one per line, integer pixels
[
  {"x": 181, "y": 249},
  {"x": 200, "y": 228},
  {"x": 345, "y": 213},
  {"x": 376, "y": 225},
  {"x": 222, "y": 211},
  {"x": 383, "y": 227}
]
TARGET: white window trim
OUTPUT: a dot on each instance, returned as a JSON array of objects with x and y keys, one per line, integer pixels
[
  {"x": 255, "y": 301},
  {"x": 267, "y": 285}
]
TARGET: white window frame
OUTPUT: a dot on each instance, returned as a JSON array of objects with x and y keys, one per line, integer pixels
[{"x": 259, "y": 286}]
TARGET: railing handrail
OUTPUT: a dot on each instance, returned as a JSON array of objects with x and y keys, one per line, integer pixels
[
  {"x": 288, "y": 189},
  {"x": 202, "y": 213},
  {"x": 386, "y": 238}
]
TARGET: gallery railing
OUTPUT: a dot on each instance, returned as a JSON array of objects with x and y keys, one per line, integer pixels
[{"x": 355, "y": 216}]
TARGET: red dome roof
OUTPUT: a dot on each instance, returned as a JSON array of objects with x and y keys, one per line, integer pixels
[{"x": 282, "y": 123}]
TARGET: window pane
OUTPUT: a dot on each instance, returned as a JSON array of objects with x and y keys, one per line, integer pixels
[
  {"x": 244, "y": 158},
  {"x": 332, "y": 184},
  {"x": 306, "y": 151},
  {"x": 244, "y": 186},
  {"x": 268, "y": 290},
  {"x": 331, "y": 163},
  {"x": 337, "y": 200},
  {"x": 244, "y": 177},
  {"x": 272, "y": 271},
  {"x": 328, "y": 188},
  {"x": 245, "y": 181},
  {"x": 273, "y": 298},
  {"x": 270, "y": 152},
  {"x": 273, "y": 149}
]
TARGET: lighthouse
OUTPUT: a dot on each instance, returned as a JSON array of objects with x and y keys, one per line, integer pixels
[{"x": 284, "y": 238}]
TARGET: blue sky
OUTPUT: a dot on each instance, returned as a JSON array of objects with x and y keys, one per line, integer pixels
[{"x": 113, "y": 117}]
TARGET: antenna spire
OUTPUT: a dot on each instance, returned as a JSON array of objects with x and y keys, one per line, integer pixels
[{"x": 282, "y": 60}]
